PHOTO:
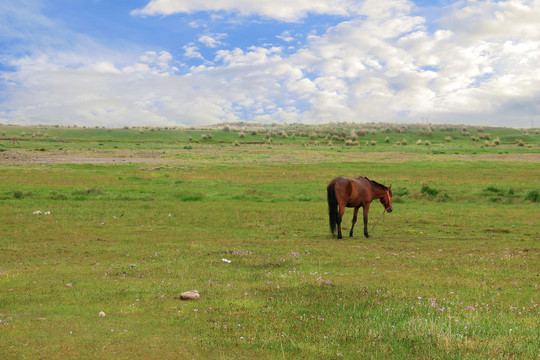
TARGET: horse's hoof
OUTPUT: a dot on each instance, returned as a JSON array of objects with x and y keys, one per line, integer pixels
[{"x": 340, "y": 237}]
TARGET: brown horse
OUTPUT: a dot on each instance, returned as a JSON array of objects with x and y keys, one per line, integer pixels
[{"x": 345, "y": 192}]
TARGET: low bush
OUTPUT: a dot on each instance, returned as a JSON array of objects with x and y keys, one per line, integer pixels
[{"x": 532, "y": 196}]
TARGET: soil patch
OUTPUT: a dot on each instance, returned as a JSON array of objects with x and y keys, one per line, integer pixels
[{"x": 66, "y": 157}]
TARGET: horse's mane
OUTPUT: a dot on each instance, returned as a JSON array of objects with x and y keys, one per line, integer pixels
[{"x": 376, "y": 184}]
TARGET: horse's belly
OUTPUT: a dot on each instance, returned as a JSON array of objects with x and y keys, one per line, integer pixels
[{"x": 354, "y": 204}]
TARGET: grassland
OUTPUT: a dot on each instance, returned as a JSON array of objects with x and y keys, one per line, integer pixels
[{"x": 119, "y": 222}]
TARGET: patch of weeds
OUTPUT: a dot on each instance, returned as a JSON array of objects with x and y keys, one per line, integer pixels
[
  {"x": 426, "y": 190},
  {"x": 21, "y": 194},
  {"x": 304, "y": 198},
  {"x": 58, "y": 196},
  {"x": 435, "y": 194},
  {"x": 190, "y": 196},
  {"x": 532, "y": 196},
  {"x": 499, "y": 195},
  {"x": 89, "y": 192},
  {"x": 398, "y": 195},
  {"x": 493, "y": 189}
]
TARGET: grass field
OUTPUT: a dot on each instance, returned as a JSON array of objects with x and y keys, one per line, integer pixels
[{"x": 102, "y": 229}]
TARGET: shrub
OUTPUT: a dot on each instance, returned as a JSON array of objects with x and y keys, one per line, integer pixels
[
  {"x": 241, "y": 135},
  {"x": 20, "y": 194},
  {"x": 532, "y": 196},
  {"x": 404, "y": 142},
  {"x": 419, "y": 142},
  {"x": 429, "y": 191}
]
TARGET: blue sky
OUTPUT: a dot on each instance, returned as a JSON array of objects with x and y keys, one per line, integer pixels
[{"x": 197, "y": 62}]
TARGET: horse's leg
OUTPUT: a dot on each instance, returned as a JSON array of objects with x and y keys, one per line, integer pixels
[
  {"x": 366, "y": 211},
  {"x": 355, "y": 216},
  {"x": 339, "y": 218}
]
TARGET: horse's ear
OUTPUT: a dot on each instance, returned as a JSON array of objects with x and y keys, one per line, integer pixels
[{"x": 390, "y": 187}]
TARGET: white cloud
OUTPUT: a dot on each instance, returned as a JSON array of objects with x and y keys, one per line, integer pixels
[
  {"x": 482, "y": 65},
  {"x": 192, "y": 51},
  {"x": 212, "y": 41},
  {"x": 284, "y": 10},
  {"x": 152, "y": 63},
  {"x": 286, "y": 36},
  {"x": 104, "y": 67}
]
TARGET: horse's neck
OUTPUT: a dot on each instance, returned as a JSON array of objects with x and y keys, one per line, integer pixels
[{"x": 377, "y": 191}]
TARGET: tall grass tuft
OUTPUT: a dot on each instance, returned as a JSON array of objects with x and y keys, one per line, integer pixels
[{"x": 532, "y": 196}]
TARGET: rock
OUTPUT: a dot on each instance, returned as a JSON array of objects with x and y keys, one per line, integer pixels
[
  {"x": 190, "y": 295},
  {"x": 102, "y": 314}
]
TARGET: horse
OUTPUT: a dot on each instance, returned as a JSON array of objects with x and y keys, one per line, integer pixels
[{"x": 357, "y": 192}]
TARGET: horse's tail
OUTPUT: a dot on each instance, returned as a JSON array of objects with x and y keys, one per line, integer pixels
[{"x": 332, "y": 206}]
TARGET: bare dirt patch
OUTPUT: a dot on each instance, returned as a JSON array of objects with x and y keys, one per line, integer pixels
[
  {"x": 72, "y": 157},
  {"x": 512, "y": 157}
]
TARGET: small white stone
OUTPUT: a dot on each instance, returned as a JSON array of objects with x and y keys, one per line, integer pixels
[{"x": 190, "y": 295}]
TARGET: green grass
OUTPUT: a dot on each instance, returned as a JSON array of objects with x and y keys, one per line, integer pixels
[{"x": 452, "y": 273}]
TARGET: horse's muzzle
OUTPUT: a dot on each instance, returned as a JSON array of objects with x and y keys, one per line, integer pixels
[{"x": 389, "y": 209}]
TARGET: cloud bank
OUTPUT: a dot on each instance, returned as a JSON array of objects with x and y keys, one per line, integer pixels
[
  {"x": 283, "y": 10},
  {"x": 385, "y": 62}
]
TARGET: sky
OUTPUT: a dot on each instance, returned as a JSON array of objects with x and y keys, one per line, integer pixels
[{"x": 117, "y": 63}]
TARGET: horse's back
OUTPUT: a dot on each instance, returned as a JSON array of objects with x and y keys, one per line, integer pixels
[{"x": 352, "y": 191}]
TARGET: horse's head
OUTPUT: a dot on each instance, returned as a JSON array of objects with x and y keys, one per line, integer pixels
[{"x": 386, "y": 200}]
